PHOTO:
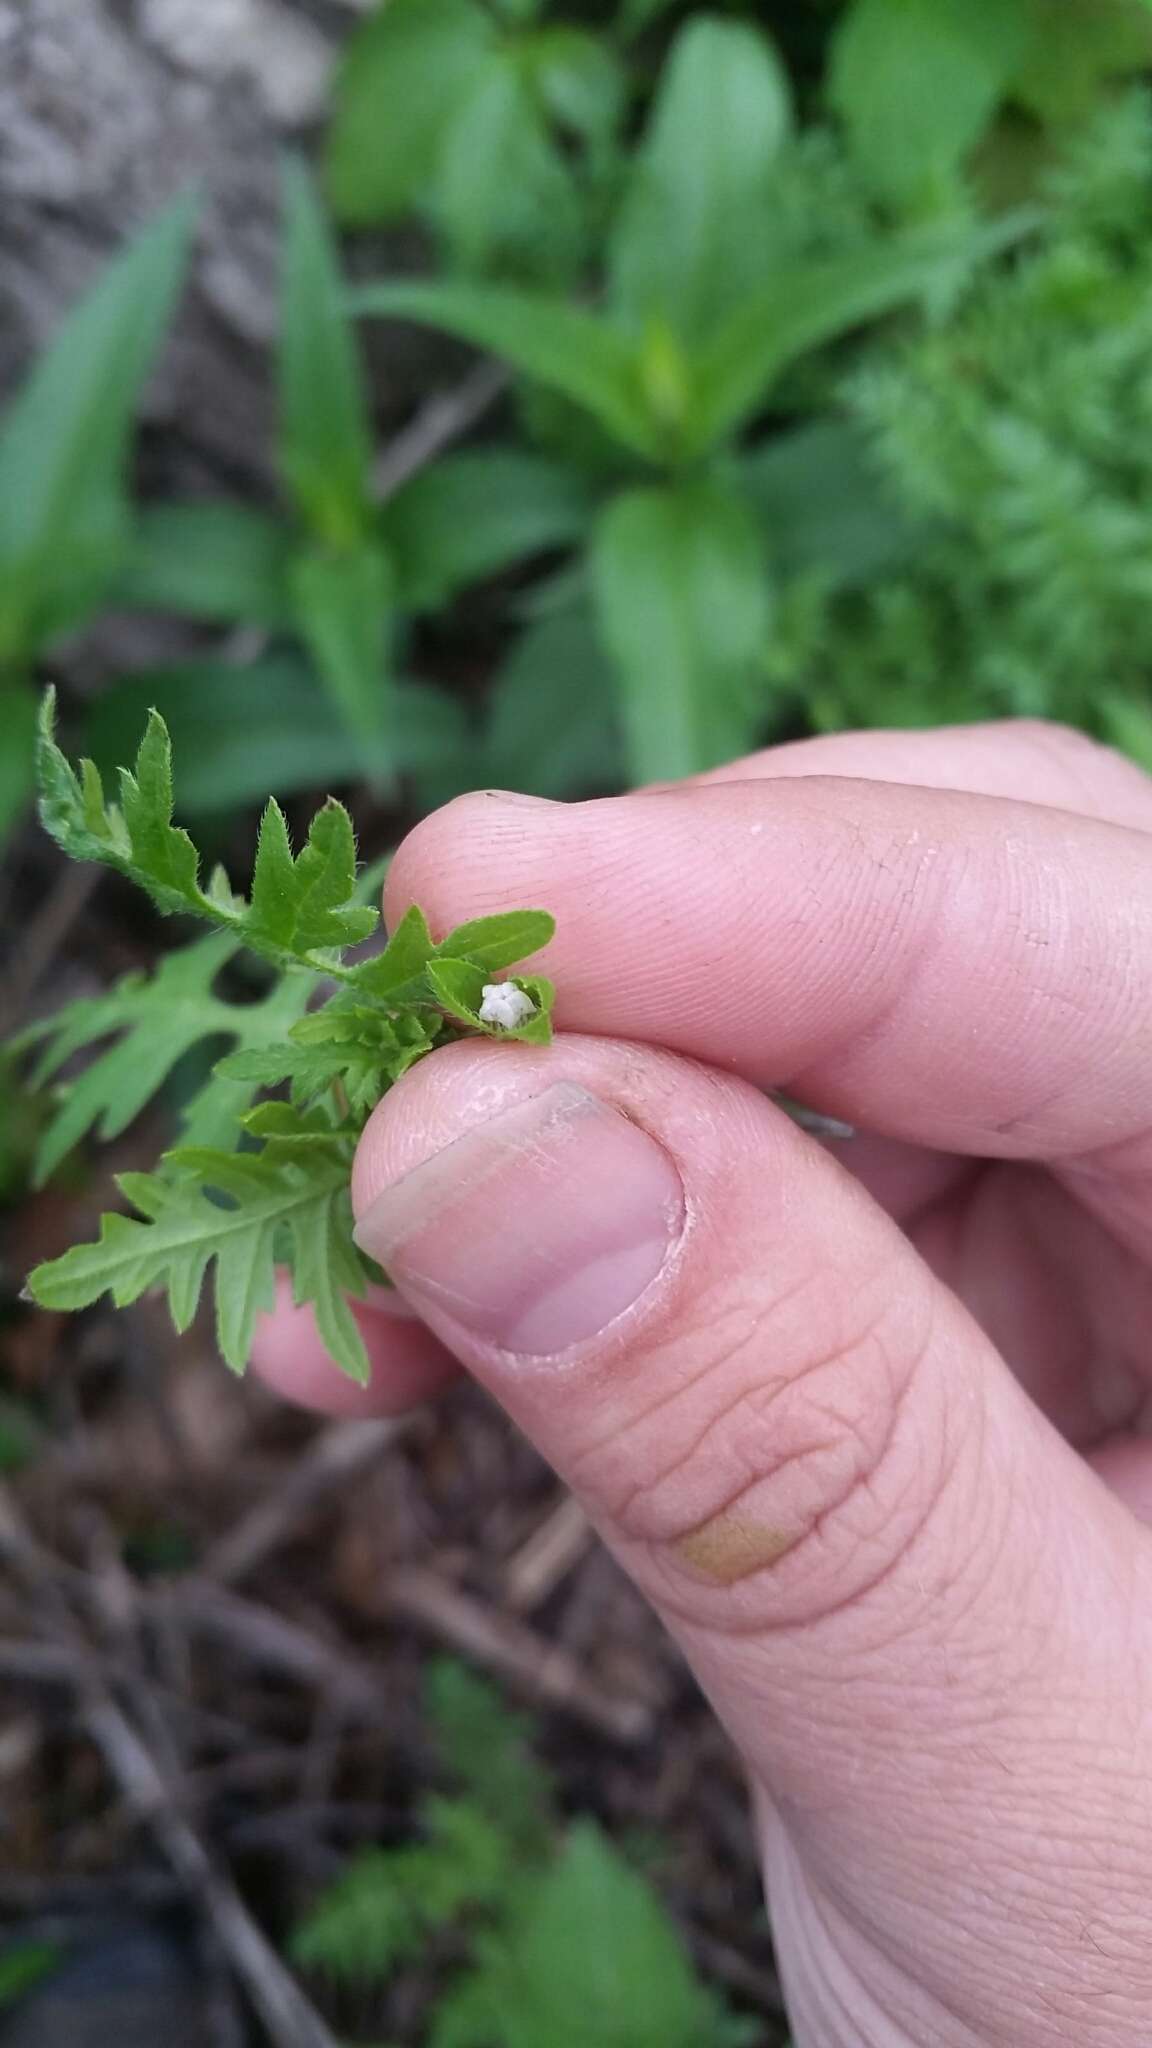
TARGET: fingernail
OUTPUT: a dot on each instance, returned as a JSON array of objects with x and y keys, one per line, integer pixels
[{"x": 535, "y": 1230}]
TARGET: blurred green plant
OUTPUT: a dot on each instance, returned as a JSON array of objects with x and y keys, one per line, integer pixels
[
  {"x": 919, "y": 84},
  {"x": 1016, "y": 444},
  {"x": 685, "y": 240},
  {"x": 501, "y": 130},
  {"x": 562, "y": 1940},
  {"x": 65, "y": 508},
  {"x": 721, "y": 274},
  {"x": 321, "y": 573}
]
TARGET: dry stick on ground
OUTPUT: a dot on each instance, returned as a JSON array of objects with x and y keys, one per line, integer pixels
[
  {"x": 336, "y": 1456},
  {"x": 554, "y": 1548},
  {"x": 445, "y": 418},
  {"x": 290, "y": 2019},
  {"x": 292, "y": 2022},
  {"x": 64, "y": 904},
  {"x": 266, "y": 1637},
  {"x": 545, "y": 1670}
]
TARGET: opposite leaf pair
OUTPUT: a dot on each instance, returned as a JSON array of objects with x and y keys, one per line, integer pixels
[{"x": 254, "y": 1185}]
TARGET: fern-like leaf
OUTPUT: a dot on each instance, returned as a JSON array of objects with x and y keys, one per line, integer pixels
[
  {"x": 382, "y": 1908},
  {"x": 234, "y": 1212},
  {"x": 155, "y": 1022},
  {"x": 212, "y": 1207},
  {"x": 302, "y": 910}
]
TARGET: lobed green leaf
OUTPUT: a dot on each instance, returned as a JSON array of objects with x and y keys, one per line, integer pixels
[
  {"x": 186, "y": 1229},
  {"x": 302, "y": 909},
  {"x": 155, "y": 1023},
  {"x": 236, "y": 1213}
]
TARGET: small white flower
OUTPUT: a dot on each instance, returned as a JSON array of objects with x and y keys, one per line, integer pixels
[{"x": 504, "y": 1003}]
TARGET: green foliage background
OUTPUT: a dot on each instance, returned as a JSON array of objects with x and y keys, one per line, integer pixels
[
  {"x": 540, "y": 1932},
  {"x": 826, "y": 345}
]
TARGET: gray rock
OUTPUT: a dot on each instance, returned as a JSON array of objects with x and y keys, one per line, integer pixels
[{"x": 106, "y": 111}]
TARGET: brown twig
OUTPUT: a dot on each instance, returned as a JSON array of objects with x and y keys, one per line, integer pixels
[
  {"x": 554, "y": 1548},
  {"x": 264, "y": 1637},
  {"x": 335, "y": 1458},
  {"x": 543, "y": 1670},
  {"x": 37, "y": 1663},
  {"x": 65, "y": 902},
  {"x": 445, "y": 418},
  {"x": 291, "y": 2021}
]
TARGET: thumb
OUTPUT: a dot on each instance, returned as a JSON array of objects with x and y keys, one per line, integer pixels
[{"x": 906, "y": 1597}]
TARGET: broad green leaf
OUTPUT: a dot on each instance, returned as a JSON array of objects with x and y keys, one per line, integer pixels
[
  {"x": 222, "y": 562},
  {"x": 400, "y": 974},
  {"x": 65, "y": 439},
  {"x": 155, "y": 1022},
  {"x": 688, "y": 245},
  {"x": 186, "y": 1229},
  {"x": 581, "y": 80},
  {"x": 559, "y": 345},
  {"x": 916, "y": 82},
  {"x": 552, "y": 727},
  {"x": 403, "y": 75},
  {"x": 1074, "y": 48},
  {"x": 308, "y": 897},
  {"x": 809, "y": 306},
  {"x": 502, "y": 940},
  {"x": 241, "y": 732},
  {"x": 593, "y": 1956},
  {"x": 325, "y": 433},
  {"x": 400, "y": 967},
  {"x": 823, "y": 505},
  {"x": 681, "y": 589},
  {"x": 343, "y": 604},
  {"x": 502, "y": 188},
  {"x": 17, "y": 754},
  {"x": 478, "y": 159},
  {"x": 474, "y": 514}
]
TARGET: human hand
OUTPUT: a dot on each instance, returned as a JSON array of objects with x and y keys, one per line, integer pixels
[{"x": 866, "y": 1428}]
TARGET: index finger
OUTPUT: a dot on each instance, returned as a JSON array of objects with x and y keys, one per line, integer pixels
[{"x": 953, "y": 969}]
